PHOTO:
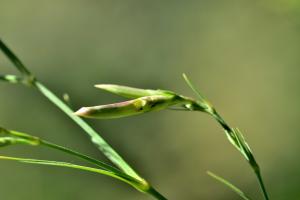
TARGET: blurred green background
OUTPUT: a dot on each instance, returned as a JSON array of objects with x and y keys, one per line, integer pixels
[{"x": 243, "y": 55}]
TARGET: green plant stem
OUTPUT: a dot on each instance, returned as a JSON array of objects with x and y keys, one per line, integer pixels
[
  {"x": 140, "y": 183},
  {"x": 29, "y": 79},
  {"x": 151, "y": 191},
  {"x": 77, "y": 154},
  {"x": 118, "y": 174},
  {"x": 102, "y": 145},
  {"x": 156, "y": 194},
  {"x": 261, "y": 183},
  {"x": 254, "y": 165},
  {"x": 11, "y": 137},
  {"x": 230, "y": 185},
  {"x": 96, "y": 139}
]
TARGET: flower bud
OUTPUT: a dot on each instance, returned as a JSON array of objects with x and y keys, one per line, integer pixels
[{"x": 129, "y": 108}]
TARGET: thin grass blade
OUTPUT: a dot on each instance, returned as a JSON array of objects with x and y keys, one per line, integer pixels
[
  {"x": 10, "y": 137},
  {"x": 191, "y": 85},
  {"x": 118, "y": 175},
  {"x": 14, "y": 59},
  {"x": 230, "y": 185},
  {"x": 129, "y": 92},
  {"x": 101, "y": 144}
]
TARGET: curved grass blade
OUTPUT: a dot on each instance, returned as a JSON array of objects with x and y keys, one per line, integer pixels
[
  {"x": 102, "y": 145},
  {"x": 118, "y": 175},
  {"x": 14, "y": 137},
  {"x": 202, "y": 103},
  {"x": 234, "y": 136},
  {"x": 191, "y": 85},
  {"x": 137, "y": 184},
  {"x": 230, "y": 185}
]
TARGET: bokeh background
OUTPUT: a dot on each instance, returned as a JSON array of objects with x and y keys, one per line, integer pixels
[{"x": 243, "y": 55}]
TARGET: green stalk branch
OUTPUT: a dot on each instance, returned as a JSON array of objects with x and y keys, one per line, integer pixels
[
  {"x": 118, "y": 175},
  {"x": 129, "y": 175},
  {"x": 233, "y": 135},
  {"x": 101, "y": 144},
  {"x": 230, "y": 185},
  {"x": 77, "y": 154},
  {"x": 245, "y": 150}
]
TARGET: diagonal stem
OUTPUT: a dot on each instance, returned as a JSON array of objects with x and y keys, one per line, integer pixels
[
  {"x": 234, "y": 136},
  {"x": 101, "y": 144},
  {"x": 156, "y": 194},
  {"x": 254, "y": 165},
  {"x": 77, "y": 154}
]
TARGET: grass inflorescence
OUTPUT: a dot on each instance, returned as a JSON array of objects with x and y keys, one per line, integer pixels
[{"x": 139, "y": 101}]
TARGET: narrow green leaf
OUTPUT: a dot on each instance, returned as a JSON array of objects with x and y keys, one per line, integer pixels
[
  {"x": 91, "y": 160},
  {"x": 14, "y": 59},
  {"x": 118, "y": 175},
  {"x": 191, "y": 85},
  {"x": 242, "y": 141},
  {"x": 14, "y": 137},
  {"x": 230, "y": 185},
  {"x": 201, "y": 105},
  {"x": 101, "y": 144},
  {"x": 130, "y": 92},
  {"x": 233, "y": 135},
  {"x": 11, "y": 137}
]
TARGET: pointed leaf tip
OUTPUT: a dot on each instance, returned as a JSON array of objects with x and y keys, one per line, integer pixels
[
  {"x": 130, "y": 92},
  {"x": 229, "y": 185},
  {"x": 81, "y": 112}
]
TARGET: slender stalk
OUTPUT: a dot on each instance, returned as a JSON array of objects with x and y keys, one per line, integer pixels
[
  {"x": 29, "y": 79},
  {"x": 77, "y": 154},
  {"x": 230, "y": 185},
  {"x": 261, "y": 183},
  {"x": 151, "y": 191},
  {"x": 102, "y": 145},
  {"x": 11, "y": 137},
  {"x": 117, "y": 174},
  {"x": 254, "y": 165},
  {"x": 156, "y": 194},
  {"x": 14, "y": 59},
  {"x": 234, "y": 135}
]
